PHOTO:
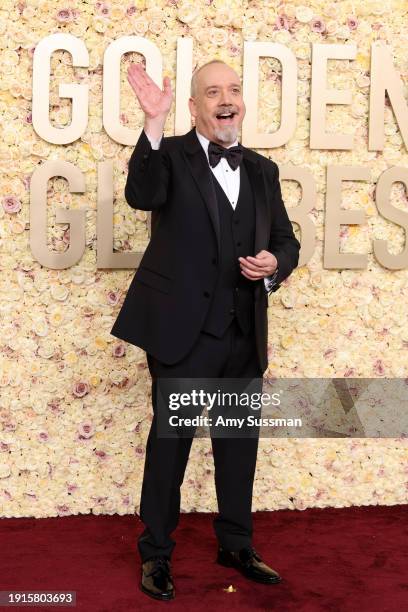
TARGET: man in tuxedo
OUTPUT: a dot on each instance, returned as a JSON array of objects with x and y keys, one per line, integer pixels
[{"x": 221, "y": 242}]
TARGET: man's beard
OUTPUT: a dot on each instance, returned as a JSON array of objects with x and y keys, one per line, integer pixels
[{"x": 227, "y": 134}]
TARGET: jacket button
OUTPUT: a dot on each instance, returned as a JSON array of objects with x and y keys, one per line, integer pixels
[
  {"x": 236, "y": 221},
  {"x": 238, "y": 244},
  {"x": 214, "y": 261},
  {"x": 145, "y": 156},
  {"x": 206, "y": 294},
  {"x": 232, "y": 311}
]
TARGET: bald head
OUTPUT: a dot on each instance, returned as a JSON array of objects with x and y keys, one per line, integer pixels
[
  {"x": 216, "y": 102},
  {"x": 196, "y": 75}
]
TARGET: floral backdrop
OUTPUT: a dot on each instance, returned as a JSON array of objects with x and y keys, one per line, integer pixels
[{"x": 74, "y": 401}]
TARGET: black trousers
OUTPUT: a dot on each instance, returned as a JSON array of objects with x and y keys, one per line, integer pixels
[{"x": 234, "y": 356}]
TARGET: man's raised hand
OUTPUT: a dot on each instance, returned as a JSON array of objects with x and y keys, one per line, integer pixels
[{"x": 155, "y": 103}]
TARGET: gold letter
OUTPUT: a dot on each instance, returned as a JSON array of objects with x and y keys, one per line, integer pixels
[
  {"x": 299, "y": 214},
  {"x": 384, "y": 78},
  {"x": 320, "y": 97},
  {"x": 106, "y": 258},
  {"x": 41, "y": 89},
  {"x": 335, "y": 217},
  {"x": 398, "y": 216},
  {"x": 38, "y": 215},
  {"x": 250, "y": 135}
]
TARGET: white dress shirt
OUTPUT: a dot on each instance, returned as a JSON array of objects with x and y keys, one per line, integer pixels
[{"x": 229, "y": 180}]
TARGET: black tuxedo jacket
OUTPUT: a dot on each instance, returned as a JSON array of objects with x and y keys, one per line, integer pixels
[{"x": 169, "y": 295}]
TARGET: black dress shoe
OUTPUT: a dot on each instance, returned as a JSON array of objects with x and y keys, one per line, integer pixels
[
  {"x": 157, "y": 580},
  {"x": 249, "y": 563}
]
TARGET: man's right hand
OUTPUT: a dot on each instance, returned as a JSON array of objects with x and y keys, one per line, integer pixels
[{"x": 154, "y": 102}]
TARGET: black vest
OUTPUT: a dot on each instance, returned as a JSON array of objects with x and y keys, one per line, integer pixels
[{"x": 234, "y": 293}]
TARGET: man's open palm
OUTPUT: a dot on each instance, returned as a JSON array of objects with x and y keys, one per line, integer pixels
[{"x": 153, "y": 101}]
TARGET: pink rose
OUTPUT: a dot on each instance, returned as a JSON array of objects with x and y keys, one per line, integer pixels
[
  {"x": 54, "y": 406},
  {"x": 317, "y": 25},
  {"x": 11, "y": 204},
  {"x": 352, "y": 23},
  {"x": 119, "y": 350},
  {"x": 378, "y": 367},
  {"x": 86, "y": 429},
  {"x": 65, "y": 15},
  {"x": 282, "y": 23},
  {"x": 113, "y": 297},
  {"x": 103, "y": 8},
  {"x": 234, "y": 50},
  {"x": 80, "y": 389}
]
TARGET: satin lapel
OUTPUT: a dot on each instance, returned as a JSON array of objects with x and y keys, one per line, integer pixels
[
  {"x": 256, "y": 179},
  {"x": 200, "y": 170}
]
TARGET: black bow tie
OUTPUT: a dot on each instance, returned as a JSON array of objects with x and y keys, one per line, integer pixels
[{"x": 233, "y": 155}]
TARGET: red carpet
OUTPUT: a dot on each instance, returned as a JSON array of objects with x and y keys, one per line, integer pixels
[{"x": 336, "y": 559}]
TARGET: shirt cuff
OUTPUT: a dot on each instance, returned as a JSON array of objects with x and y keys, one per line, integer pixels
[
  {"x": 270, "y": 281},
  {"x": 154, "y": 142}
]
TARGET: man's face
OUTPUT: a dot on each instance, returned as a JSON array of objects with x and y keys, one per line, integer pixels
[{"x": 218, "y": 107}]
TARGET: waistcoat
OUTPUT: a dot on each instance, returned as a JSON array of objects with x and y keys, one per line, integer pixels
[{"x": 234, "y": 293}]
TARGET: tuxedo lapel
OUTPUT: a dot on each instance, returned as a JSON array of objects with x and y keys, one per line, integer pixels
[
  {"x": 256, "y": 179},
  {"x": 198, "y": 165}
]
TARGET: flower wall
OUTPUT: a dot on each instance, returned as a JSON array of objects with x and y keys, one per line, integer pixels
[{"x": 74, "y": 401}]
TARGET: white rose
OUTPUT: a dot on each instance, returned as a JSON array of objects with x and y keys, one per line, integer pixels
[{"x": 304, "y": 14}]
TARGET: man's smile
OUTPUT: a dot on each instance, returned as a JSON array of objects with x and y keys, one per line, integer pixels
[{"x": 226, "y": 117}]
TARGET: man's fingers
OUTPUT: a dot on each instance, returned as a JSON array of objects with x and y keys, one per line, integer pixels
[
  {"x": 136, "y": 71},
  {"x": 138, "y": 77},
  {"x": 138, "y": 83},
  {"x": 261, "y": 255},
  {"x": 251, "y": 275},
  {"x": 134, "y": 78},
  {"x": 148, "y": 81},
  {"x": 167, "y": 85},
  {"x": 252, "y": 266},
  {"x": 137, "y": 88},
  {"x": 139, "y": 73},
  {"x": 258, "y": 273}
]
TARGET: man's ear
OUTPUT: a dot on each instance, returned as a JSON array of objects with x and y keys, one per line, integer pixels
[{"x": 192, "y": 107}]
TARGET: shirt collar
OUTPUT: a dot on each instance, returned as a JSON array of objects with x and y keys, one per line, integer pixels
[{"x": 204, "y": 142}]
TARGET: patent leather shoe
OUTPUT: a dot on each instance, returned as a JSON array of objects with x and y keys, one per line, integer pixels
[
  {"x": 249, "y": 563},
  {"x": 157, "y": 581}
]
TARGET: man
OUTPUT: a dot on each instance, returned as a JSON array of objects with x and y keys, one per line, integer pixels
[{"x": 221, "y": 241}]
